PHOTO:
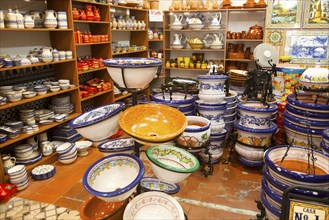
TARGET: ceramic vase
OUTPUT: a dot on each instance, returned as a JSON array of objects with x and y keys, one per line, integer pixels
[
  {"x": 62, "y": 20},
  {"x": 10, "y": 19},
  {"x": 19, "y": 19}
]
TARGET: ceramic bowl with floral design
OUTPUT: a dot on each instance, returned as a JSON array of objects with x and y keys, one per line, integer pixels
[
  {"x": 171, "y": 164},
  {"x": 114, "y": 178},
  {"x": 154, "y": 184},
  {"x": 212, "y": 84},
  {"x": 118, "y": 145}
]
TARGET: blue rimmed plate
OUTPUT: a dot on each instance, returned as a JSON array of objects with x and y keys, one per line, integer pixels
[{"x": 35, "y": 157}]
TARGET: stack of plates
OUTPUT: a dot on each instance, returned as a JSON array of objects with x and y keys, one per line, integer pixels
[
  {"x": 44, "y": 114},
  {"x": 61, "y": 105},
  {"x": 26, "y": 114},
  {"x": 18, "y": 176}
]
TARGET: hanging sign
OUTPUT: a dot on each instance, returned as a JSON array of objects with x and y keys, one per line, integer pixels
[
  {"x": 305, "y": 211},
  {"x": 155, "y": 15}
]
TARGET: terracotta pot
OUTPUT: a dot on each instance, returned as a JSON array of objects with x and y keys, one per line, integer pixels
[
  {"x": 89, "y": 13},
  {"x": 75, "y": 14},
  {"x": 82, "y": 15},
  {"x": 255, "y": 32},
  {"x": 97, "y": 16}
]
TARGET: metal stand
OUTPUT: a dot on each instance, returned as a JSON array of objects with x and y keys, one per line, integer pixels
[
  {"x": 231, "y": 150},
  {"x": 207, "y": 167},
  {"x": 262, "y": 210}
]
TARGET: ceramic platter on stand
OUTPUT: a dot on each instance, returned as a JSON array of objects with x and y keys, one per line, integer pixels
[{"x": 264, "y": 53}]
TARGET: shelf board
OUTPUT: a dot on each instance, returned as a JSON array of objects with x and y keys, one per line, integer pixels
[
  {"x": 187, "y": 11},
  {"x": 126, "y": 7},
  {"x": 202, "y": 30},
  {"x": 122, "y": 30},
  {"x": 190, "y": 49},
  {"x": 189, "y": 69},
  {"x": 37, "y": 97},
  {"x": 97, "y": 94},
  {"x": 241, "y": 60},
  {"x": 92, "y": 70},
  {"x": 119, "y": 97},
  {"x": 244, "y": 40},
  {"x": 93, "y": 22},
  {"x": 42, "y": 128},
  {"x": 246, "y": 9},
  {"x": 156, "y": 40},
  {"x": 35, "y": 65},
  {"x": 86, "y": 44},
  {"x": 117, "y": 54},
  {"x": 90, "y": 2},
  {"x": 34, "y": 29}
]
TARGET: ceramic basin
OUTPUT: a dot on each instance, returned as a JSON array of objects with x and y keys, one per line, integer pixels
[
  {"x": 153, "y": 205},
  {"x": 171, "y": 164},
  {"x": 153, "y": 123},
  {"x": 113, "y": 178},
  {"x": 154, "y": 184},
  {"x": 133, "y": 73}
]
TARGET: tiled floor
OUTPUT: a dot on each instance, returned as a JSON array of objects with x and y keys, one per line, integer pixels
[{"x": 230, "y": 193}]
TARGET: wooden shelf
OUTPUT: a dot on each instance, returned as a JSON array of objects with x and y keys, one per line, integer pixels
[
  {"x": 86, "y": 44},
  {"x": 119, "y": 97},
  {"x": 89, "y": 2},
  {"x": 189, "y": 69},
  {"x": 244, "y": 40},
  {"x": 187, "y": 11},
  {"x": 202, "y": 30},
  {"x": 93, "y": 22},
  {"x": 156, "y": 40},
  {"x": 126, "y": 7},
  {"x": 92, "y": 70},
  {"x": 35, "y": 65},
  {"x": 240, "y": 60},
  {"x": 42, "y": 128},
  {"x": 246, "y": 9},
  {"x": 97, "y": 94},
  {"x": 117, "y": 54},
  {"x": 190, "y": 49},
  {"x": 121, "y": 30},
  {"x": 37, "y": 97},
  {"x": 34, "y": 29}
]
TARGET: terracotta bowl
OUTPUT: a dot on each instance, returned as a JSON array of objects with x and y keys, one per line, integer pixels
[
  {"x": 95, "y": 208},
  {"x": 153, "y": 123}
]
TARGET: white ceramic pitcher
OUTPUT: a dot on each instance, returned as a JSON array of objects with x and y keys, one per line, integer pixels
[
  {"x": 29, "y": 21},
  {"x": 178, "y": 19},
  {"x": 216, "y": 19},
  {"x": 178, "y": 39},
  {"x": 47, "y": 54},
  {"x": 8, "y": 162},
  {"x": 50, "y": 19},
  {"x": 218, "y": 39}
]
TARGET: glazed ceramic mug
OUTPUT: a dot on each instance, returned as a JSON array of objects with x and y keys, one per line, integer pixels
[
  {"x": 68, "y": 54},
  {"x": 62, "y": 55}
]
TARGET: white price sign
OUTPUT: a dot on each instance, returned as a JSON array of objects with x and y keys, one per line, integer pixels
[{"x": 155, "y": 15}]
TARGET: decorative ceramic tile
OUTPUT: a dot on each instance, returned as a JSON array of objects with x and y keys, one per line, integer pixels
[
  {"x": 18, "y": 208},
  {"x": 316, "y": 14},
  {"x": 275, "y": 37}
]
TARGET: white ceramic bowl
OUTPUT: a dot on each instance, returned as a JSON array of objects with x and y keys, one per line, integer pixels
[
  {"x": 68, "y": 160},
  {"x": 114, "y": 178},
  {"x": 196, "y": 26},
  {"x": 22, "y": 185},
  {"x": 118, "y": 145},
  {"x": 82, "y": 147},
  {"x": 29, "y": 94},
  {"x": 176, "y": 26},
  {"x": 153, "y": 206},
  {"x": 64, "y": 148},
  {"x": 177, "y": 46},
  {"x": 216, "y": 153},
  {"x": 17, "y": 170},
  {"x": 54, "y": 88},
  {"x": 217, "y": 127},
  {"x": 214, "y": 114},
  {"x": 99, "y": 123},
  {"x": 250, "y": 153},
  {"x": 15, "y": 96},
  {"x": 138, "y": 72},
  {"x": 171, "y": 164},
  {"x": 211, "y": 98}
]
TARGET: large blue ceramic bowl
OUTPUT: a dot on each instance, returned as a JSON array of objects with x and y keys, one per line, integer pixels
[
  {"x": 318, "y": 117},
  {"x": 271, "y": 196},
  {"x": 305, "y": 122},
  {"x": 99, "y": 123},
  {"x": 271, "y": 211},
  {"x": 114, "y": 178},
  {"x": 307, "y": 106}
]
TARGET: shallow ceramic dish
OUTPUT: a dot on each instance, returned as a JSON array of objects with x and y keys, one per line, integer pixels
[
  {"x": 35, "y": 157},
  {"x": 29, "y": 94},
  {"x": 293, "y": 169},
  {"x": 154, "y": 184},
  {"x": 153, "y": 123},
  {"x": 171, "y": 164},
  {"x": 82, "y": 147},
  {"x": 153, "y": 205},
  {"x": 249, "y": 153},
  {"x": 43, "y": 172},
  {"x": 138, "y": 72},
  {"x": 123, "y": 171},
  {"x": 99, "y": 123},
  {"x": 175, "y": 100},
  {"x": 176, "y": 26},
  {"x": 117, "y": 145}
]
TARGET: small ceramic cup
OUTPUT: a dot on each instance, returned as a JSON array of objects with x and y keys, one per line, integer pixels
[
  {"x": 62, "y": 55},
  {"x": 68, "y": 54}
]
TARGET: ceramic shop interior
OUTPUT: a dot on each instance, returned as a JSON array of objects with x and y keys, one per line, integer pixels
[{"x": 153, "y": 109}]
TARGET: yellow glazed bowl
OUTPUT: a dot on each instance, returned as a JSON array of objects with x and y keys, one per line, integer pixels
[
  {"x": 195, "y": 46},
  {"x": 152, "y": 124}
]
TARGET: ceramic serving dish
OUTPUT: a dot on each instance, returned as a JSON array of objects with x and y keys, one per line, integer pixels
[
  {"x": 99, "y": 123},
  {"x": 35, "y": 157},
  {"x": 43, "y": 172},
  {"x": 153, "y": 205},
  {"x": 174, "y": 100},
  {"x": 29, "y": 94},
  {"x": 171, "y": 164},
  {"x": 154, "y": 184},
  {"x": 82, "y": 147},
  {"x": 123, "y": 171},
  {"x": 153, "y": 123},
  {"x": 118, "y": 145}
]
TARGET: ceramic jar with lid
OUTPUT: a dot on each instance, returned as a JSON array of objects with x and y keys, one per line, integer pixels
[
  {"x": 255, "y": 32},
  {"x": 316, "y": 78}
]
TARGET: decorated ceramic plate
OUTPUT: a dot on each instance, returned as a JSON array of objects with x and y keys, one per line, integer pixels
[
  {"x": 131, "y": 61},
  {"x": 154, "y": 184},
  {"x": 118, "y": 144},
  {"x": 43, "y": 172},
  {"x": 35, "y": 157}
]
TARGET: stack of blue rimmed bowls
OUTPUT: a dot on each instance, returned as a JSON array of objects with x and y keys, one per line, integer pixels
[{"x": 325, "y": 142}]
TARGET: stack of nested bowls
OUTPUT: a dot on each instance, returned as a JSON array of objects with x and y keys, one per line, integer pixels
[
  {"x": 230, "y": 112},
  {"x": 255, "y": 130},
  {"x": 27, "y": 116},
  {"x": 182, "y": 102},
  {"x": 305, "y": 118},
  {"x": 325, "y": 142},
  {"x": 282, "y": 171},
  {"x": 23, "y": 151},
  {"x": 18, "y": 176},
  {"x": 238, "y": 80},
  {"x": 67, "y": 153}
]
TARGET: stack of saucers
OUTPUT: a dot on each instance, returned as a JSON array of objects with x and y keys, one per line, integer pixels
[
  {"x": 44, "y": 116},
  {"x": 18, "y": 176},
  {"x": 230, "y": 112},
  {"x": 15, "y": 125},
  {"x": 67, "y": 153},
  {"x": 11, "y": 133},
  {"x": 61, "y": 105},
  {"x": 5, "y": 89},
  {"x": 27, "y": 115}
]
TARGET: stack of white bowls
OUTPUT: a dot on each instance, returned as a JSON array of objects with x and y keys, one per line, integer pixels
[
  {"x": 230, "y": 112},
  {"x": 18, "y": 176},
  {"x": 67, "y": 152},
  {"x": 23, "y": 151},
  {"x": 255, "y": 131}
]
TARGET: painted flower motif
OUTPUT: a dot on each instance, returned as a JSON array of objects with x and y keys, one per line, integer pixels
[{"x": 275, "y": 37}]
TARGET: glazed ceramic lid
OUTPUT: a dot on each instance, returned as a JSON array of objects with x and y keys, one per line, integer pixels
[{"x": 315, "y": 75}]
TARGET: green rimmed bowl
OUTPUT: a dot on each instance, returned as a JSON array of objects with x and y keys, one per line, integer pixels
[{"x": 171, "y": 164}]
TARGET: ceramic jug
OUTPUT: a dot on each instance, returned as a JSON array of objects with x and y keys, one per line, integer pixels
[
  {"x": 178, "y": 19},
  {"x": 38, "y": 19},
  {"x": 216, "y": 19},
  {"x": 218, "y": 39},
  {"x": 83, "y": 15},
  {"x": 97, "y": 16},
  {"x": 55, "y": 55},
  {"x": 29, "y": 21},
  {"x": 2, "y": 19},
  {"x": 46, "y": 55},
  {"x": 62, "y": 20},
  {"x": 8, "y": 162},
  {"x": 10, "y": 19},
  {"x": 143, "y": 25},
  {"x": 19, "y": 19},
  {"x": 75, "y": 14},
  {"x": 139, "y": 25},
  {"x": 134, "y": 22},
  {"x": 114, "y": 23},
  {"x": 178, "y": 39},
  {"x": 47, "y": 149},
  {"x": 89, "y": 13},
  {"x": 50, "y": 20}
]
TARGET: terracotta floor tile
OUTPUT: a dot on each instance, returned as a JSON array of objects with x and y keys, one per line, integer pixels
[
  {"x": 68, "y": 203},
  {"x": 197, "y": 212},
  {"x": 186, "y": 207},
  {"x": 186, "y": 193},
  {"x": 74, "y": 191},
  {"x": 213, "y": 214},
  {"x": 83, "y": 195},
  {"x": 211, "y": 190},
  {"x": 47, "y": 198},
  {"x": 233, "y": 216},
  {"x": 54, "y": 190}
]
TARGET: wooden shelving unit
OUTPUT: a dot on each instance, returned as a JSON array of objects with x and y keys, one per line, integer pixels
[
  {"x": 35, "y": 65},
  {"x": 92, "y": 70},
  {"x": 97, "y": 94}
]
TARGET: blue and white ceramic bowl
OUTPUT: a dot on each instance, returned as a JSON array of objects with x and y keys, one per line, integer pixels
[
  {"x": 211, "y": 98},
  {"x": 212, "y": 84},
  {"x": 272, "y": 213},
  {"x": 325, "y": 148},
  {"x": 99, "y": 123},
  {"x": 321, "y": 109},
  {"x": 200, "y": 103},
  {"x": 217, "y": 126},
  {"x": 229, "y": 126},
  {"x": 68, "y": 160},
  {"x": 175, "y": 100},
  {"x": 230, "y": 110},
  {"x": 249, "y": 153},
  {"x": 301, "y": 114},
  {"x": 213, "y": 114},
  {"x": 232, "y": 104},
  {"x": 274, "y": 199},
  {"x": 293, "y": 170},
  {"x": 118, "y": 145},
  {"x": 255, "y": 137},
  {"x": 217, "y": 141},
  {"x": 3, "y": 138},
  {"x": 305, "y": 122},
  {"x": 325, "y": 135},
  {"x": 221, "y": 134},
  {"x": 233, "y": 95},
  {"x": 229, "y": 117},
  {"x": 123, "y": 171},
  {"x": 154, "y": 184},
  {"x": 250, "y": 163},
  {"x": 216, "y": 154}
]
